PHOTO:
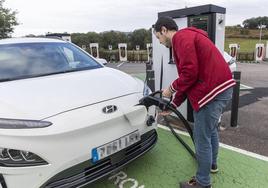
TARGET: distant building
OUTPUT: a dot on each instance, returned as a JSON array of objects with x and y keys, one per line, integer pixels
[{"x": 64, "y": 36}]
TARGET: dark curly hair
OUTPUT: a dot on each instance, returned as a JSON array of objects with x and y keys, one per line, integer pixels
[{"x": 167, "y": 22}]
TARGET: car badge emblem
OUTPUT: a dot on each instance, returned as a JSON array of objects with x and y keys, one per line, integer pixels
[{"x": 109, "y": 109}]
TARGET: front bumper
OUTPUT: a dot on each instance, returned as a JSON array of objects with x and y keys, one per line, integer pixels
[
  {"x": 70, "y": 141},
  {"x": 86, "y": 172}
]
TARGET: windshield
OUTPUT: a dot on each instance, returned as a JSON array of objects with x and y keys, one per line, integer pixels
[{"x": 24, "y": 60}]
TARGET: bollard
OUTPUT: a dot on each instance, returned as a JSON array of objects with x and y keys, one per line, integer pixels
[
  {"x": 235, "y": 99},
  {"x": 190, "y": 112},
  {"x": 149, "y": 65},
  {"x": 150, "y": 79}
]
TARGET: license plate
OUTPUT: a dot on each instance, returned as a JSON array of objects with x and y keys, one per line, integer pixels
[{"x": 114, "y": 146}]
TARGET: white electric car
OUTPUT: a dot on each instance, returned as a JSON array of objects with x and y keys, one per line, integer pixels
[{"x": 65, "y": 119}]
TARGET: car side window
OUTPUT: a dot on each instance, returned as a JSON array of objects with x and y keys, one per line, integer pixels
[
  {"x": 69, "y": 54},
  {"x": 76, "y": 58},
  {"x": 70, "y": 57}
]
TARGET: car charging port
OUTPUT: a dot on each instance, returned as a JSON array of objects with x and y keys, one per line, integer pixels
[{"x": 150, "y": 121}]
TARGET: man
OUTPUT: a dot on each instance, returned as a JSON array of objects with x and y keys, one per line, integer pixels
[{"x": 205, "y": 79}]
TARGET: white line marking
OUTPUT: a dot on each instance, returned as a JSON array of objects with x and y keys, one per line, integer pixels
[
  {"x": 245, "y": 86},
  {"x": 120, "y": 64},
  {"x": 238, "y": 150}
]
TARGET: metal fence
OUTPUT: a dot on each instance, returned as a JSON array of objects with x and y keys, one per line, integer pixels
[
  {"x": 132, "y": 55},
  {"x": 246, "y": 56}
]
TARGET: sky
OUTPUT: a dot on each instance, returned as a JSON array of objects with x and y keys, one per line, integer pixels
[{"x": 41, "y": 16}]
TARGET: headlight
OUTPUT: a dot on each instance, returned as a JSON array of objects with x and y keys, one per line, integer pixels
[
  {"x": 146, "y": 90},
  {"x": 22, "y": 124},
  {"x": 19, "y": 158}
]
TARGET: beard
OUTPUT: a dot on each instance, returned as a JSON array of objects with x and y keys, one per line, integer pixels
[
  {"x": 167, "y": 43},
  {"x": 167, "y": 46}
]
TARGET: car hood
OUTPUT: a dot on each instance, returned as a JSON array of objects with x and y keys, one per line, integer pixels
[{"x": 41, "y": 97}]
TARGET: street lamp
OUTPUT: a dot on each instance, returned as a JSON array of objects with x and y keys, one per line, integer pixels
[{"x": 261, "y": 26}]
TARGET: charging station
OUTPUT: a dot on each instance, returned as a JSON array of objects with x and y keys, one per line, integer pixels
[
  {"x": 84, "y": 47},
  {"x": 233, "y": 50},
  {"x": 266, "y": 50},
  {"x": 149, "y": 51},
  {"x": 94, "y": 49},
  {"x": 259, "y": 52},
  {"x": 210, "y": 18},
  {"x": 122, "y": 51}
]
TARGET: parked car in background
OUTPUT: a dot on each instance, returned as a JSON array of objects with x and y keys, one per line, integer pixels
[
  {"x": 65, "y": 119},
  {"x": 102, "y": 61},
  {"x": 231, "y": 61}
]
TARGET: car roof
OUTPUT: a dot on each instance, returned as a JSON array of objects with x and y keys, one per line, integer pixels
[{"x": 30, "y": 40}]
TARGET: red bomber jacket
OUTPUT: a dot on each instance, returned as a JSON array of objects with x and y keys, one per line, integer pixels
[{"x": 203, "y": 72}]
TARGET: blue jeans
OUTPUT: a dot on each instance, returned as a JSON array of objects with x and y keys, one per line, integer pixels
[{"x": 205, "y": 135}]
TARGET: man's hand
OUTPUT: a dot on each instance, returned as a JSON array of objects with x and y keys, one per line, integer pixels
[
  {"x": 165, "y": 113},
  {"x": 167, "y": 93}
]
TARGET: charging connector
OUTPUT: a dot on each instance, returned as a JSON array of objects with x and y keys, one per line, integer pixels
[{"x": 155, "y": 99}]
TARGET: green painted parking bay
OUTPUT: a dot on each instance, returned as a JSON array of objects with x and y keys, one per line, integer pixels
[{"x": 168, "y": 163}]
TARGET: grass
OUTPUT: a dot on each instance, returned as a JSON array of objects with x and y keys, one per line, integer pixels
[{"x": 246, "y": 45}]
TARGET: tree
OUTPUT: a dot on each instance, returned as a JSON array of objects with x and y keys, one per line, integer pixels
[
  {"x": 140, "y": 37},
  {"x": 7, "y": 21},
  {"x": 85, "y": 38},
  {"x": 255, "y": 23},
  {"x": 110, "y": 38}
]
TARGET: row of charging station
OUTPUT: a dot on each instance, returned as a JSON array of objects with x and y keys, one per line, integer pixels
[
  {"x": 260, "y": 52},
  {"x": 122, "y": 47}
]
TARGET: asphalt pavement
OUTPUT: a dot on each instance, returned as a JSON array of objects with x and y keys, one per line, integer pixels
[{"x": 252, "y": 131}]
